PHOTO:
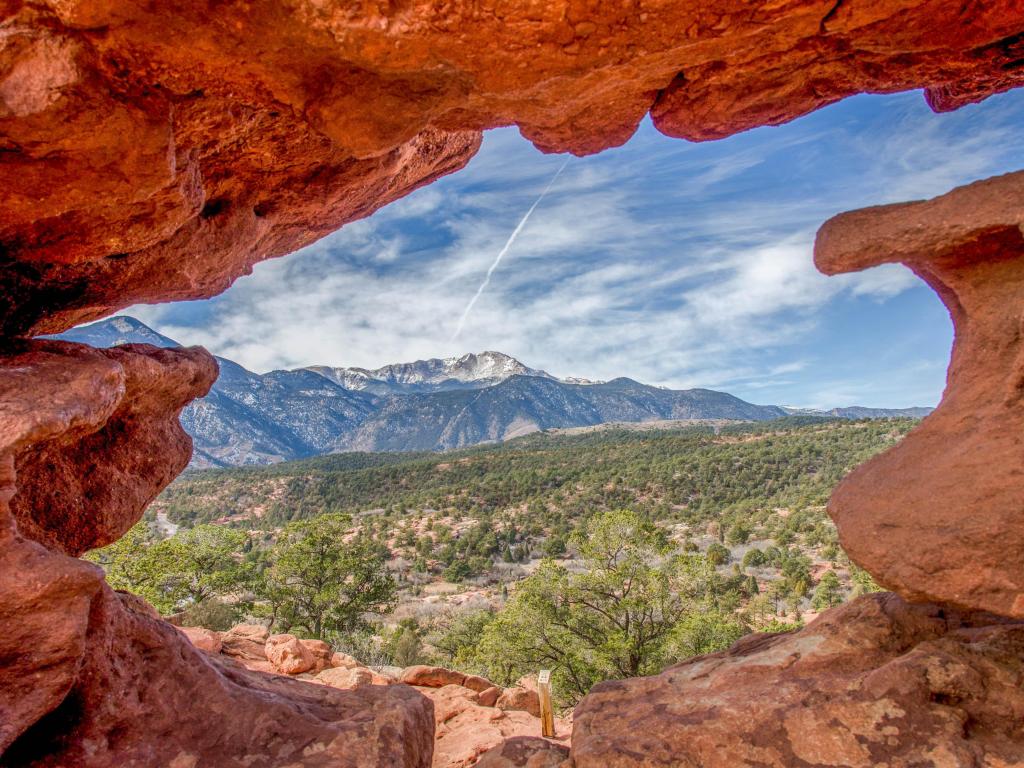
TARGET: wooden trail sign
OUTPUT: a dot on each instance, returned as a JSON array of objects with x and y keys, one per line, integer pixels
[{"x": 547, "y": 714}]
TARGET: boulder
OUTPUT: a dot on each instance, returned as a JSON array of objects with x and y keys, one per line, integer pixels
[
  {"x": 246, "y": 642},
  {"x": 340, "y": 677},
  {"x": 288, "y": 655},
  {"x": 344, "y": 661},
  {"x": 431, "y": 677},
  {"x": 488, "y": 697},
  {"x": 203, "y": 639},
  {"x": 322, "y": 653},
  {"x": 524, "y": 752},
  {"x": 466, "y": 730},
  {"x": 255, "y": 632},
  {"x": 874, "y": 681},
  {"x": 519, "y": 699},
  {"x": 477, "y": 683}
]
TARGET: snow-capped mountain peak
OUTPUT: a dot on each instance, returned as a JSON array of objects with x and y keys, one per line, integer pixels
[{"x": 469, "y": 371}]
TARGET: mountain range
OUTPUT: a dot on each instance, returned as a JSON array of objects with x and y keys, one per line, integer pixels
[{"x": 438, "y": 404}]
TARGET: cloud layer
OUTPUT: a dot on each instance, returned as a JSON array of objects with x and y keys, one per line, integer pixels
[{"x": 674, "y": 263}]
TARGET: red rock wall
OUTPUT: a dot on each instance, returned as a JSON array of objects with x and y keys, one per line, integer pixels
[
  {"x": 938, "y": 518},
  {"x": 154, "y": 151},
  {"x": 153, "y": 154},
  {"x": 90, "y": 677}
]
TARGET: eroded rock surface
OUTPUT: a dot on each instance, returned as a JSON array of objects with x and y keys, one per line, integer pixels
[
  {"x": 92, "y": 677},
  {"x": 467, "y": 729},
  {"x": 153, "y": 154},
  {"x": 938, "y": 518},
  {"x": 150, "y": 153},
  {"x": 525, "y": 752},
  {"x": 873, "y": 682}
]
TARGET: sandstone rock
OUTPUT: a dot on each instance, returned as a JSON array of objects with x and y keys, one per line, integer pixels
[
  {"x": 937, "y": 517},
  {"x": 266, "y": 720},
  {"x": 90, "y": 677},
  {"x": 344, "y": 661},
  {"x": 340, "y": 677},
  {"x": 875, "y": 681},
  {"x": 203, "y": 639},
  {"x": 255, "y": 632},
  {"x": 524, "y": 752},
  {"x": 381, "y": 678},
  {"x": 246, "y": 642},
  {"x": 321, "y": 652},
  {"x": 192, "y": 159},
  {"x": 288, "y": 655},
  {"x": 488, "y": 697},
  {"x": 394, "y": 674},
  {"x": 65, "y": 407},
  {"x": 477, "y": 683},
  {"x": 466, "y": 730},
  {"x": 431, "y": 677},
  {"x": 520, "y": 699}
]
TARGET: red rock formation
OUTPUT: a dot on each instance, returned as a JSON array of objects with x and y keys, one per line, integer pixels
[
  {"x": 524, "y": 752},
  {"x": 938, "y": 518},
  {"x": 151, "y": 154},
  {"x": 466, "y": 729},
  {"x": 91, "y": 677},
  {"x": 203, "y": 639},
  {"x": 872, "y": 682},
  {"x": 288, "y": 655}
]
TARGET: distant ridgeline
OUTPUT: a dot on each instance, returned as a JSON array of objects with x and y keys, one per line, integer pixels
[
  {"x": 688, "y": 474},
  {"x": 428, "y": 405}
]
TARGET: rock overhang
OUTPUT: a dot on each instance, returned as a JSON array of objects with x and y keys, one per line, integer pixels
[{"x": 152, "y": 155}]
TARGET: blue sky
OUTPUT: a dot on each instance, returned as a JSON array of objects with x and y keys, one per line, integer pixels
[{"x": 673, "y": 263}]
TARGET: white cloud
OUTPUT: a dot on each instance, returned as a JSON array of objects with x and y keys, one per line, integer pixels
[{"x": 676, "y": 264}]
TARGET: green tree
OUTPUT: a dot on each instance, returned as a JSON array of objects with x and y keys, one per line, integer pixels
[
  {"x": 828, "y": 593},
  {"x": 613, "y": 619},
  {"x": 320, "y": 581},
  {"x": 718, "y": 554},
  {"x": 700, "y": 632},
  {"x": 405, "y": 645},
  {"x": 193, "y": 566},
  {"x": 459, "y": 634}
]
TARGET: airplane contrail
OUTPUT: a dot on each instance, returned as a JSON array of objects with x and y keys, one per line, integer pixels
[{"x": 503, "y": 251}]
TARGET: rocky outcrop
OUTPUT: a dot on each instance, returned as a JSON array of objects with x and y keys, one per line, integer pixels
[
  {"x": 203, "y": 639},
  {"x": 937, "y": 518},
  {"x": 288, "y": 655},
  {"x": 151, "y": 154},
  {"x": 475, "y": 720},
  {"x": 468, "y": 729},
  {"x": 524, "y": 752},
  {"x": 201, "y": 142},
  {"x": 92, "y": 677},
  {"x": 433, "y": 677},
  {"x": 873, "y": 682},
  {"x": 93, "y": 434}
]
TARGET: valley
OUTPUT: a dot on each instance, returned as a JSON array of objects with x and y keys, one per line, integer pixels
[{"x": 463, "y": 535}]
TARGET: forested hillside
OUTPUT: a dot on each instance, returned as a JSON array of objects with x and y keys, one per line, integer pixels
[
  {"x": 686, "y": 474},
  {"x": 491, "y": 559}
]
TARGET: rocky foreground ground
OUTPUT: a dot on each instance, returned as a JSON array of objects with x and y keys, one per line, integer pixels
[{"x": 477, "y": 723}]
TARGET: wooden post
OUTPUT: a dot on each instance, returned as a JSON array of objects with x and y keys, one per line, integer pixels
[{"x": 547, "y": 714}]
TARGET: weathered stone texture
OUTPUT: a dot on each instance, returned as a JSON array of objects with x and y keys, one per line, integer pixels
[
  {"x": 153, "y": 154},
  {"x": 938, "y": 518},
  {"x": 873, "y": 682}
]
